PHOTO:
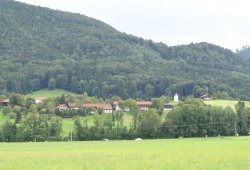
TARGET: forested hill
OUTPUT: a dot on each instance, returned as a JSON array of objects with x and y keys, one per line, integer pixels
[
  {"x": 82, "y": 54},
  {"x": 244, "y": 52}
]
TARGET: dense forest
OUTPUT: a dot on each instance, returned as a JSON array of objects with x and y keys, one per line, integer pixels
[
  {"x": 41, "y": 48},
  {"x": 244, "y": 52}
]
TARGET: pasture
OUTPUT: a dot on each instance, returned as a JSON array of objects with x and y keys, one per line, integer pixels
[
  {"x": 191, "y": 153},
  {"x": 225, "y": 103},
  {"x": 50, "y": 93}
]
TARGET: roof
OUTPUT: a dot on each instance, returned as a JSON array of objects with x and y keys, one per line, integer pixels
[
  {"x": 115, "y": 103},
  {"x": 5, "y": 101},
  {"x": 40, "y": 98},
  {"x": 104, "y": 106},
  {"x": 72, "y": 105},
  {"x": 62, "y": 106},
  {"x": 168, "y": 106},
  {"x": 143, "y": 103},
  {"x": 206, "y": 96}
]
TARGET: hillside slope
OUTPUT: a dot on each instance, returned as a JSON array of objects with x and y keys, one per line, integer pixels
[
  {"x": 83, "y": 54},
  {"x": 244, "y": 52}
]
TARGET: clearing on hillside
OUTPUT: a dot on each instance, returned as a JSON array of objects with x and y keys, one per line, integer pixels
[{"x": 50, "y": 93}]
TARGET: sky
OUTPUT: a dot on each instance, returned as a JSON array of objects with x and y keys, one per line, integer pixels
[{"x": 174, "y": 22}]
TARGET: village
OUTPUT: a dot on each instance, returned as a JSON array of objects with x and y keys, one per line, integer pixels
[{"x": 142, "y": 105}]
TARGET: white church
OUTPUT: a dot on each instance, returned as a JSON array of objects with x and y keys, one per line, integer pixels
[{"x": 176, "y": 97}]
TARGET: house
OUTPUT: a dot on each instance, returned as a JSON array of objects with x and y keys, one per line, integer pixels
[
  {"x": 107, "y": 108},
  {"x": 39, "y": 100},
  {"x": 168, "y": 107},
  {"x": 62, "y": 107},
  {"x": 206, "y": 97},
  {"x": 5, "y": 102},
  {"x": 176, "y": 97},
  {"x": 72, "y": 106},
  {"x": 143, "y": 105}
]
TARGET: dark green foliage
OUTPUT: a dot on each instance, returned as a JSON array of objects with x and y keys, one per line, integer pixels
[
  {"x": 16, "y": 99},
  {"x": 51, "y": 84},
  {"x": 55, "y": 128},
  {"x": 29, "y": 102},
  {"x": 150, "y": 124},
  {"x": 18, "y": 117},
  {"x": 193, "y": 118},
  {"x": 244, "y": 52},
  {"x": 73, "y": 112},
  {"x": 243, "y": 116},
  {"x": 35, "y": 127},
  {"x": 8, "y": 132}
]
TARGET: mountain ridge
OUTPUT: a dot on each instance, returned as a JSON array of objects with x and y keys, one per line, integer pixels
[{"x": 86, "y": 55}]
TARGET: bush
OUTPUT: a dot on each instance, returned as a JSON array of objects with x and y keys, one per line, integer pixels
[
  {"x": 6, "y": 110},
  {"x": 12, "y": 115}
]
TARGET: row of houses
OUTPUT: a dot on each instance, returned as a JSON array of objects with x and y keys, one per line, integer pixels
[
  {"x": 106, "y": 107},
  {"x": 109, "y": 108}
]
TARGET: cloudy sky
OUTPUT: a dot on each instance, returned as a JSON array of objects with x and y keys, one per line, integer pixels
[{"x": 222, "y": 22}]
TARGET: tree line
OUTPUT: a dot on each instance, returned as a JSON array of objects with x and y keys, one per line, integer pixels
[{"x": 191, "y": 118}]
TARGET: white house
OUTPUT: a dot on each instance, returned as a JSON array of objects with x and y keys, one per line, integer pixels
[
  {"x": 39, "y": 100},
  {"x": 176, "y": 97}
]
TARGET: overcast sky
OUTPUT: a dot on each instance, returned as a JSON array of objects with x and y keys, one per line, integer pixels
[{"x": 222, "y": 22}]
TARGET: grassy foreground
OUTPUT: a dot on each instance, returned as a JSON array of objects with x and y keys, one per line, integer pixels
[{"x": 211, "y": 153}]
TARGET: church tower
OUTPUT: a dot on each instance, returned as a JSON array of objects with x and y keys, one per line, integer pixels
[{"x": 176, "y": 97}]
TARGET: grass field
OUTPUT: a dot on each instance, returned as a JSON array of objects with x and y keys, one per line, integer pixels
[
  {"x": 197, "y": 153},
  {"x": 225, "y": 103},
  {"x": 50, "y": 93}
]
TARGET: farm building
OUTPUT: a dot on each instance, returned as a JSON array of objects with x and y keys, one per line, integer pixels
[
  {"x": 107, "y": 108},
  {"x": 5, "y": 102},
  {"x": 168, "y": 107},
  {"x": 143, "y": 105},
  {"x": 39, "y": 100},
  {"x": 206, "y": 97}
]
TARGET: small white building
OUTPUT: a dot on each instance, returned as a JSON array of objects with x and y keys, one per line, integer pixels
[
  {"x": 176, "y": 97},
  {"x": 116, "y": 106},
  {"x": 39, "y": 100}
]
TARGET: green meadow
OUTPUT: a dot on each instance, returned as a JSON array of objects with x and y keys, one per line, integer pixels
[
  {"x": 50, "y": 93},
  {"x": 191, "y": 153},
  {"x": 225, "y": 103}
]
